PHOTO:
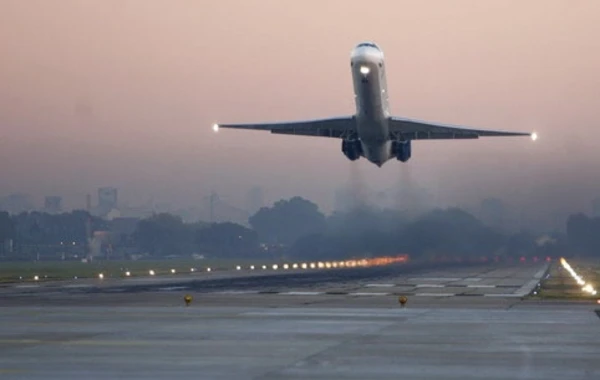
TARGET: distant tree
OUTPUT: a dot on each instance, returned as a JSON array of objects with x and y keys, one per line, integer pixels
[
  {"x": 226, "y": 240},
  {"x": 583, "y": 234},
  {"x": 287, "y": 220},
  {"x": 7, "y": 227},
  {"x": 451, "y": 231},
  {"x": 163, "y": 234}
]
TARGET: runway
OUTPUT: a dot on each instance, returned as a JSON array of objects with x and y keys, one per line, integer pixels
[{"x": 265, "y": 329}]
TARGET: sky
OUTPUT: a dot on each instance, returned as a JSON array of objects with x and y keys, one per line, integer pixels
[{"x": 123, "y": 93}]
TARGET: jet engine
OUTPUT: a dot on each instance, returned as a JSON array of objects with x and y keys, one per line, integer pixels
[
  {"x": 402, "y": 150},
  {"x": 352, "y": 149}
]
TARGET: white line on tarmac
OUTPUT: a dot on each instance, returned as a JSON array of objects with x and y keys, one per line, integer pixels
[
  {"x": 430, "y": 286},
  {"x": 480, "y": 286},
  {"x": 380, "y": 285},
  {"x": 369, "y": 294},
  {"x": 302, "y": 293},
  {"x": 435, "y": 294}
]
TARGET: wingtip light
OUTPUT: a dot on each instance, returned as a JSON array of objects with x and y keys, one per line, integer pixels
[
  {"x": 215, "y": 127},
  {"x": 534, "y": 136}
]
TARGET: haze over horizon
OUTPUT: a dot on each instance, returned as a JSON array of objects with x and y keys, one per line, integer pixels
[{"x": 123, "y": 93}]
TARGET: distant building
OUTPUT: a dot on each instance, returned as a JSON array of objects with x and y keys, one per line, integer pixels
[
  {"x": 17, "y": 203},
  {"x": 53, "y": 204},
  {"x": 107, "y": 200}
]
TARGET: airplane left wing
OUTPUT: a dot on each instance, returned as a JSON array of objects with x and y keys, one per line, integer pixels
[
  {"x": 411, "y": 129},
  {"x": 339, "y": 127}
]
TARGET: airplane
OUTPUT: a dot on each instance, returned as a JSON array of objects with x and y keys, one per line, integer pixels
[{"x": 372, "y": 132}]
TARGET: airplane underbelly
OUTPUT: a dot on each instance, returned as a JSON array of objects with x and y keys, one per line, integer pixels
[{"x": 377, "y": 153}]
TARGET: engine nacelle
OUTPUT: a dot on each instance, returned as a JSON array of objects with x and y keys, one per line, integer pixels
[
  {"x": 352, "y": 149},
  {"x": 402, "y": 150}
]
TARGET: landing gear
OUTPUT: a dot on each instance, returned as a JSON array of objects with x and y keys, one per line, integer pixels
[
  {"x": 352, "y": 149},
  {"x": 402, "y": 150}
]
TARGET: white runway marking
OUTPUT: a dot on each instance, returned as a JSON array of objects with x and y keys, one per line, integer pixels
[
  {"x": 380, "y": 285},
  {"x": 27, "y": 286},
  {"x": 435, "y": 294},
  {"x": 434, "y": 279},
  {"x": 480, "y": 286},
  {"x": 236, "y": 292},
  {"x": 75, "y": 286},
  {"x": 172, "y": 288},
  {"x": 302, "y": 293},
  {"x": 472, "y": 279},
  {"x": 368, "y": 294},
  {"x": 430, "y": 286}
]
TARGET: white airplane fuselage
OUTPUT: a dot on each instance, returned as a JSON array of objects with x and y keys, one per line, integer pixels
[{"x": 372, "y": 107}]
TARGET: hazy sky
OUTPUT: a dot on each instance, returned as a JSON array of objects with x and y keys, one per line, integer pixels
[{"x": 123, "y": 93}]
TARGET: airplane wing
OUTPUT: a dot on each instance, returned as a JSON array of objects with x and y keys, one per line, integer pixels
[
  {"x": 411, "y": 129},
  {"x": 339, "y": 127}
]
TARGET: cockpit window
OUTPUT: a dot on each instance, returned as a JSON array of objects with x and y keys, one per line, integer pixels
[{"x": 369, "y": 44}]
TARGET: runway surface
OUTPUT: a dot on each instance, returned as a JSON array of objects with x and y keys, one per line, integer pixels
[{"x": 287, "y": 327}]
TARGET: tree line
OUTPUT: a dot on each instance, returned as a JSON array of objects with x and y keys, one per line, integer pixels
[{"x": 293, "y": 228}]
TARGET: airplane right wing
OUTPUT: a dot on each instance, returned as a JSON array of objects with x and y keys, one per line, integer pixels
[
  {"x": 412, "y": 129},
  {"x": 339, "y": 127}
]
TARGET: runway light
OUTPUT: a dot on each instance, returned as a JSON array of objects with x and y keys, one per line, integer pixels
[
  {"x": 364, "y": 70},
  {"x": 208, "y": 269},
  {"x": 173, "y": 271},
  {"x": 192, "y": 269},
  {"x": 128, "y": 273},
  {"x": 402, "y": 300},
  {"x": 101, "y": 276},
  {"x": 215, "y": 127},
  {"x": 275, "y": 266},
  {"x": 321, "y": 265},
  {"x": 286, "y": 266},
  {"x": 251, "y": 267},
  {"x": 295, "y": 266},
  {"x": 534, "y": 136},
  {"x": 238, "y": 267},
  {"x": 151, "y": 272},
  {"x": 264, "y": 267},
  {"x": 313, "y": 265},
  {"x": 304, "y": 266},
  {"x": 327, "y": 264},
  {"x": 36, "y": 278}
]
